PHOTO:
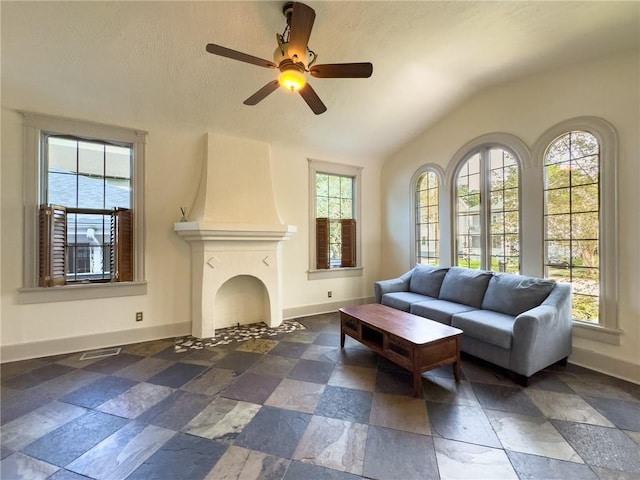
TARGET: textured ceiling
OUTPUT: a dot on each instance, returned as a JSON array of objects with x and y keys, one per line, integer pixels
[{"x": 146, "y": 62}]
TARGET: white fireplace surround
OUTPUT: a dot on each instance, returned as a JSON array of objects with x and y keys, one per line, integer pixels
[{"x": 234, "y": 230}]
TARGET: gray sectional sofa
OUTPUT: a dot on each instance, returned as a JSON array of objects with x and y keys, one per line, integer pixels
[{"x": 520, "y": 323}]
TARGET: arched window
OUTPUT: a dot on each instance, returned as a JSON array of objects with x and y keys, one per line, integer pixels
[
  {"x": 487, "y": 210},
  {"x": 427, "y": 218},
  {"x": 572, "y": 218}
]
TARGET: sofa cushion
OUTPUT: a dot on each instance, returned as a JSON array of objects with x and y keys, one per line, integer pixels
[
  {"x": 402, "y": 300},
  {"x": 462, "y": 285},
  {"x": 427, "y": 280},
  {"x": 514, "y": 294},
  {"x": 438, "y": 310},
  {"x": 490, "y": 327}
]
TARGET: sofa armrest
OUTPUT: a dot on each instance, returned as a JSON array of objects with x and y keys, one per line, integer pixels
[
  {"x": 542, "y": 335},
  {"x": 400, "y": 284}
]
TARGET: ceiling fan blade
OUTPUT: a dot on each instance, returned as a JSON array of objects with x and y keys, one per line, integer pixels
[
  {"x": 234, "y": 55},
  {"x": 262, "y": 93},
  {"x": 342, "y": 70},
  {"x": 301, "y": 24},
  {"x": 313, "y": 100}
]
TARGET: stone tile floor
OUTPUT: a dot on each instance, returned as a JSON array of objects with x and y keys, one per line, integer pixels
[{"x": 295, "y": 406}]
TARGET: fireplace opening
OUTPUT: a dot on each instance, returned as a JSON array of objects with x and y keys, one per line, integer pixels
[{"x": 242, "y": 299}]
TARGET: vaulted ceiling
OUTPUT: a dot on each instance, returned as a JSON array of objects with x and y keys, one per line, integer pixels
[{"x": 142, "y": 63}]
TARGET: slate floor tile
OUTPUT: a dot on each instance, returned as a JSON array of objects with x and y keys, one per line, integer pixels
[
  {"x": 5, "y": 451},
  {"x": 400, "y": 412},
  {"x": 447, "y": 390},
  {"x": 506, "y": 399},
  {"x": 16, "y": 403},
  {"x": 322, "y": 353},
  {"x": 345, "y": 404},
  {"x": 63, "y": 474},
  {"x": 182, "y": 457},
  {"x": 238, "y": 361},
  {"x": 257, "y": 345},
  {"x": 122, "y": 452},
  {"x": 210, "y": 383},
  {"x": 223, "y": 419},
  {"x": 176, "y": 410},
  {"x": 252, "y": 387},
  {"x": 147, "y": 349},
  {"x": 144, "y": 369},
  {"x": 59, "y": 386},
  {"x": 20, "y": 432},
  {"x": 98, "y": 392},
  {"x": 298, "y": 470},
  {"x": 22, "y": 467},
  {"x": 296, "y": 395},
  {"x": 274, "y": 365},
  {"x": 9, "y": 369},
  {"x": 462, "y": 423},
  {"x": 312, "y": 371},
  {"x": 533, "y": 467},
  {"x": 274, "y": 431},
  {"x": 480, "y": 372},
  {"x": 601, "y": 446},
  {"x": 240, "y": 463},
  {"x": 114, "y": 363},
  {"x": 458, "y": 460},
  {"x": 533, "y": 435},
  {"x": 36, "y": 376},
  {"x": 333, "y": 443},
  {"x": 136, "y": 400},
  {"x": 358, "y": 357},
  {"x": 349, "y": 376},
  {"x": 177, "y": 375},
  {"x": 623, "y": 413},
  {"x": 328, "y": 339},
  {"x": 289, "y": 349},
  {"x": 65, "y": 444},
  {"x": 396, "y": 383},
  {"x": 564, "y": 406},
  {"x": 396, "y": 455}
]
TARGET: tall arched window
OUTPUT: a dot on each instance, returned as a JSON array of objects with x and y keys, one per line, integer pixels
[
  {"x": 487, "y": 210},
  {"x": 572, "y": 218},
  {"x": 427, "y": 218}
]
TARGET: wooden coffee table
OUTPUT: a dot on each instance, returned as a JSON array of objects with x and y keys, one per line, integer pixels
[{"x": 415, "y": 343}]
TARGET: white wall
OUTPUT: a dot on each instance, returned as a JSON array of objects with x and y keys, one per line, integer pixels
[
  {"x": 527, "y": 108},
  {"x": 173, "y": 164}
]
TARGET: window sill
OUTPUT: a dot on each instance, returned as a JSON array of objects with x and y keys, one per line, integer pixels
[
  {"x": 80, "y": 292},
  {"x": 334, "y": 273},
  {"x": 597, "y": 333}
]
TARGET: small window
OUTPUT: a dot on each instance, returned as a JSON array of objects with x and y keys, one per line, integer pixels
[
  {"x": 427, "y": 218},
  {"x": 335, "y": 230}
]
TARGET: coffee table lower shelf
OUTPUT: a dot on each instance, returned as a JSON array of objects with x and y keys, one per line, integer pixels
[{"x": 388, "y": 338}]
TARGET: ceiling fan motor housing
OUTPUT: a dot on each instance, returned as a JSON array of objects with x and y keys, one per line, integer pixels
[{"x": 281, "y": 53}]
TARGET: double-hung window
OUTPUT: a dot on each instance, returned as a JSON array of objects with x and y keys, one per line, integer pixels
[
  {"x": 83, "y": 212},
  {"x": 335, "y": 244}
]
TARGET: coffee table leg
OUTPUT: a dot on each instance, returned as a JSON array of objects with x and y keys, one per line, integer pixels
[
  {"x": 341, "y": 338},
  {"x": 417, "y": 384},
  {"x": 456, "y": 371}
]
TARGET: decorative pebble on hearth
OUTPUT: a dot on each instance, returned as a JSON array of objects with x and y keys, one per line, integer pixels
[{"x": 236, "y": 334}]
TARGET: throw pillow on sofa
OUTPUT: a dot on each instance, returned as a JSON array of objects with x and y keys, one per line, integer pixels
[
  {"x": 514, "y": 294},
  {"x": 427, "y": 280},
  {"x": 462, "y": 285}
]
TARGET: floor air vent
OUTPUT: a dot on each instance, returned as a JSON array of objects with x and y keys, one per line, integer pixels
[{"x": 105, "y": 352}]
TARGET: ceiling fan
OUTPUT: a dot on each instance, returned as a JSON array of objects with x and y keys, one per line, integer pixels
[{"x": 294, "y": 58}]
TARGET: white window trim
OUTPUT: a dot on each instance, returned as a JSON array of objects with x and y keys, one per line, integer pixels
[
  {"x": 34, "y": 126},
  {"x": 442, "y": 201},
  {"x": 608, "y": 330},
  {"x": 522, "y": 156},
  {"x": 332, "y": 168}
]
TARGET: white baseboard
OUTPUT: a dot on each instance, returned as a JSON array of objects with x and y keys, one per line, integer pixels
[
  {"x": 604, "y": 364},
  {"x": 307, "y": 310},
  {"x": 23, "y": 351}
]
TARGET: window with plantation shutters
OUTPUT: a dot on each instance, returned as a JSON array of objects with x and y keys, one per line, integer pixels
[
  {"x": 334, "y": 212},
  {"x": 52, "y": 245},
  {"x": 83, "y": 210}
]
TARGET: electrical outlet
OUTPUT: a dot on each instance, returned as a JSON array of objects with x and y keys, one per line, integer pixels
[
  {"x": 329, "y": 294},
  {"x": 138, "y": 316}
]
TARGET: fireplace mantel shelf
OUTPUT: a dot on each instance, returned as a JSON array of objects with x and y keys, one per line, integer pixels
[{"x": 198, "y": 231}]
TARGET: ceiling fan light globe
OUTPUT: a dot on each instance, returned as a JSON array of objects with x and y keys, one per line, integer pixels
[{"x": 292, "y": 80}]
